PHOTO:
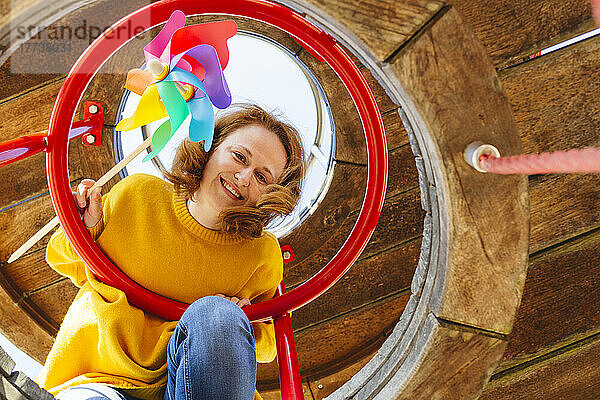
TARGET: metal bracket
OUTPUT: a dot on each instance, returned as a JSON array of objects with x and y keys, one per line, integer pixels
[
  {"x": 287, "y": 253},
  {"x": 94, "y": 113}
]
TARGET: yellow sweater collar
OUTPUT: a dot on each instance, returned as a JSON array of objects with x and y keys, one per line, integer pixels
[{"x": 186, "y": 219}]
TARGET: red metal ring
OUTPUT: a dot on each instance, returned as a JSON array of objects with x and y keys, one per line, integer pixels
[{"x": 314, "y": 40}]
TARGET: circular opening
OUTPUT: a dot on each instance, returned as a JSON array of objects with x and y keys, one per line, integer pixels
[{"x": 263, "y": 72}]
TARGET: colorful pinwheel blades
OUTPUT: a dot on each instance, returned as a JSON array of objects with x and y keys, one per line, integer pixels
[{"x": 193, "y": 58}]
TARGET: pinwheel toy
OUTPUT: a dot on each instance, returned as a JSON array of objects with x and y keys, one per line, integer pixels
[{"x": 184, "y": 76}]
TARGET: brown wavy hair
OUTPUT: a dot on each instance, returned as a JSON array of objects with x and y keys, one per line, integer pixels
[{"x": 279, "y": 198}]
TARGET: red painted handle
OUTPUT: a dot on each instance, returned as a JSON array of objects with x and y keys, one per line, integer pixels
[{"x": 23, "y": 147}]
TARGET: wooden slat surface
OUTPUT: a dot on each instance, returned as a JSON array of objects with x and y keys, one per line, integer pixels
[
  {"x": 50, "y": 64},
  {"x": 31, "y": 272},
  {"x": 558, "y": 304},
  {"x": 345, "y": 194},
  {"x": 512, "y": 30},
  {"x": 340, "y": 341},
  {"x": 350, "y": 139},
  {"x": 323, "y": 387},
  {"x": 20, "y": 223},
  {"x": 395, "y": 132},
  {"x": 457, "y": 368},
  {"x": 552, "y": 98},
  {"x": 368, "y": 280},
  {"x": 19, "y": 328},
  {"x": 401, "y": 221},
  {"x": 382, "y": 25},
  {"x": 55, "y": 300},
  {"x": 563, "y": 206},
  {"x": 453, "y": 87},
  {"x": 574, "y": 374}
]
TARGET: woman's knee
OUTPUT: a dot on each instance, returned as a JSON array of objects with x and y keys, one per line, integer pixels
[{"x": 213, "y": 313}]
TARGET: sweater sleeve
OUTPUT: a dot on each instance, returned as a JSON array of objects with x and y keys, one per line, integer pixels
[
  {"x": 266, "y": 279},
  {"x": 63, "y": 258}
]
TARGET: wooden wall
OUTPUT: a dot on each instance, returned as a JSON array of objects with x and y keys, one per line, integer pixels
[{"x": 553, "y": 350}]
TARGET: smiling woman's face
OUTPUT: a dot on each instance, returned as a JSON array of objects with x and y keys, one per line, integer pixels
[{"x": 237, "y": 173}]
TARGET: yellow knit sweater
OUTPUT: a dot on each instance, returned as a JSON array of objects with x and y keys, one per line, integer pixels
[{"x": 148, "y": 232}]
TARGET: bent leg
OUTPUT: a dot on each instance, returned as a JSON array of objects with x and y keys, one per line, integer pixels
[
  {"x": 90, "y": 391},
  {"x": 211, "y": 354}
]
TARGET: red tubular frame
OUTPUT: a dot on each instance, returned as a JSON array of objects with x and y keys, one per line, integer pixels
[
  {"x": 36, "y": 143},
  {"x": 290, "y": 381},
  {"x": 312, "y": 38},
  {"x": 30, "y": 144}
]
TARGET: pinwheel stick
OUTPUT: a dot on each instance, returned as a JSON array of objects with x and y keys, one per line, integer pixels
[{"x": 55, "y": 221}]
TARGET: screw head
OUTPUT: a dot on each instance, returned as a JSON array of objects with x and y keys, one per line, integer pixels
[
  {"x": 93, "y": 109},
  {"x": 287, "y": 255},
  {"x": 91, "y": 139},
  {"x": 320, "y": 386}
]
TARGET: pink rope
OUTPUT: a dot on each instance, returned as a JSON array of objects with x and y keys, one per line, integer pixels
[
  {"x": 596, "y": 10},
  {"x": 576, "y": 161}
]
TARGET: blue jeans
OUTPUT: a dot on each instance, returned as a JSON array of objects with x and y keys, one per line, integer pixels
[{"x": 211, "y": 355}]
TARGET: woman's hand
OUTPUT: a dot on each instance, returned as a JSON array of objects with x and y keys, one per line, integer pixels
[
  {"x": 88, "y": 204},
  {"x": 240, "y": 302}
]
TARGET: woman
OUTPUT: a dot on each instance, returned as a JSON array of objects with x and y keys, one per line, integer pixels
[{"x": 198, "y": 240}]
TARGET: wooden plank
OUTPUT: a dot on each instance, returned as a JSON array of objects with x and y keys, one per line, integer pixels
[
  {"x": 395, "y": 132},
  {"x": 344, "y": 195},
  {"x": 350, "y": 140},
  {"x": 456, "y": 98},
  {"x": 20, "y": 223},
  {"x": 55, "y": 300},
  {"x": 23, "y": 179},
  {"x": 384, "y": 102},
  {"x": 29, "y": 114},
  {"x": 27, "y": 178},
  {"x": 337, "y": 343},
  {"x": 31, "y": 272},
  {"x": 451, "y": 349},
  {"x": 521, "y": 28},
  {"x": 21, "y": 330},
  {"x": 558, "y": 301},
  {"x": 51, "y": 54},
  {"x": 402, "y": 172},
  {"x": 574, "y": 374},
  {"x": 552, "y": 98},
  {"x": 335, "y": 226},
  {"x": 401, "y": 221},
  {"x": 323, "y": 387},
  {"x": 381, "y": 25},
  {"x": 367, "y": 281},
  {"x": 321, "y": 253},
  {"x": 275, "y": 394},
  {"x": 562, "y": 207}
]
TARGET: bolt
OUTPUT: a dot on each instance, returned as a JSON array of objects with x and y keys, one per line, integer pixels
[
  {"x": 287, "y": 255},
  {"x": 320, "y": 386},
  {"x": 91, "y": 139},
  {"x": 93, "y": 109}
]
